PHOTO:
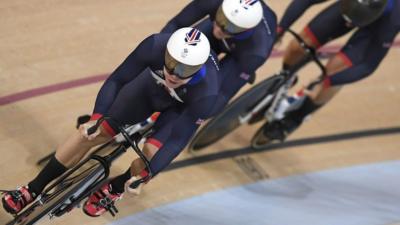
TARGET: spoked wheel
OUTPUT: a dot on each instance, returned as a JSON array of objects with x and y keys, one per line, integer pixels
[
  {"x": 63, "y": 197},
  {"x": 228, "y": 119}
]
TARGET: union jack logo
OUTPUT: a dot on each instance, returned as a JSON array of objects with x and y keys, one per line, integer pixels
[
  {"x": 193, "y": 37},
  {"x": 246, "y": 3}
]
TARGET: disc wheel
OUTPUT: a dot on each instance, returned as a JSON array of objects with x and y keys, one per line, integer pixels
[{"x": 228, "y": 119}]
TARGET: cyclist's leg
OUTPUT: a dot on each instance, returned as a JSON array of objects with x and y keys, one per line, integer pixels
[
  {"x": 326, "y": 26},
  {"x": 152, "y": 98},
  {"x": 137, "y": 170},
  {"x": 308, "y": 98},
  {"x": 321, "y": 91},
  {"x": 351, "y": 54},
  {"x": 72, "y": 150},
  {"x": 124, "y": 110},
  {"x": 77, "y": 146},
  {"x": 311, "y": 96}
]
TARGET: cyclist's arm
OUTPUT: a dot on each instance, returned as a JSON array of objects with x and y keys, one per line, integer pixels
[
  {"x": 250, "y": 60},
  {"x": 189, "y": 15},
  {"x": 132, "y": 66},
  {"x": 377, "y": 50},
  {"x": 294, "y": 11},
  {"x": 248, "y": 64},
  {"x": 181, "y": 131}
]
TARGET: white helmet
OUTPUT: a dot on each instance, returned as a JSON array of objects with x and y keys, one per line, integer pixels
[
  {"x": 187, "y": 50},
  {"x": 235, "y": 16}
]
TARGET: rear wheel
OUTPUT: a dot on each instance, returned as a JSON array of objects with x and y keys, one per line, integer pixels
[{"x": 228, "y": 119}]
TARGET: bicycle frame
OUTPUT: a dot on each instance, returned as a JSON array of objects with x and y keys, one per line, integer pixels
[
  {"x": 128, "y": 137},
  {"x": 280, "y": 90},
  {"x": 125, "y": 134}
]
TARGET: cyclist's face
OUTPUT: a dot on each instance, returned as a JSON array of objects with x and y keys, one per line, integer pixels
[
  {"x": 219, "y": 33},
  {"x": 173, "y": 81}
]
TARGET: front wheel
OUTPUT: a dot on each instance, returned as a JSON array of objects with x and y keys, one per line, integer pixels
[
  {"x": 228, "y": 119},
  {"x": 62, "y": 198}
]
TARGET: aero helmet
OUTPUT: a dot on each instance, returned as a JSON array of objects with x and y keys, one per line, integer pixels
[
  {"x": 235, "y": 16},
  {"x": 187, "y": 50},
  {"x": 362, "y": 12}
]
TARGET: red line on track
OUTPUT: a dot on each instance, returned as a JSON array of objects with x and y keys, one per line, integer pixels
[
  {"x": 8, "y": 99},
  {"x": 19, "y": 96}
]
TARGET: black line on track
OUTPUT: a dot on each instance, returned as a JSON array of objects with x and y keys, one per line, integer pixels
[{"x": 229, "y": 153}]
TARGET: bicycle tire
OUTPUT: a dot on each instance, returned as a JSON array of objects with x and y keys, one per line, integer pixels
[
  {"x": 254, "y": 143},
  {"x": 58, "y": 197},
  {"x": 227, "y": 121}
]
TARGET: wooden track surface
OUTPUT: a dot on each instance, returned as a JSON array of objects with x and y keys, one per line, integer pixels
[{"x": 50, "y": 42}]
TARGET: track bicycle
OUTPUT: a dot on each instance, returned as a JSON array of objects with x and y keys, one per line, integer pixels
[
  {"x": 85, "y": 178},
  {"x": 259, "y": 103}
]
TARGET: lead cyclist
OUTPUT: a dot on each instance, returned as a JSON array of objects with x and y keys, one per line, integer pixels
[{"x": 175, "y": 74}]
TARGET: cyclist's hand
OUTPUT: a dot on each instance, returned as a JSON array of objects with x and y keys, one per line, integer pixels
[
  {"x": 83, "y": 129},
  {"x": 81, "y": 120},
  {"x": 133, "y": 191}
]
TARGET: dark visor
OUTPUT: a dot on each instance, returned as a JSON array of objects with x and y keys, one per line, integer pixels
[
  {"x": 225, "y": 24},
  {"x": 179, "y": 69}
]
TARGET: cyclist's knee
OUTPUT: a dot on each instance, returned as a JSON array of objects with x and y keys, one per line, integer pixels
[
  {"x": 293, "y": 53},
  {"x": 337, "y": 63}
]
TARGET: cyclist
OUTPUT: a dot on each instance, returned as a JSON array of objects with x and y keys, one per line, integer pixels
[
  {"x": 242, "y": 30},
  {"x": 376, "y": 23},
  {"x": 175, "y": 74}
]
